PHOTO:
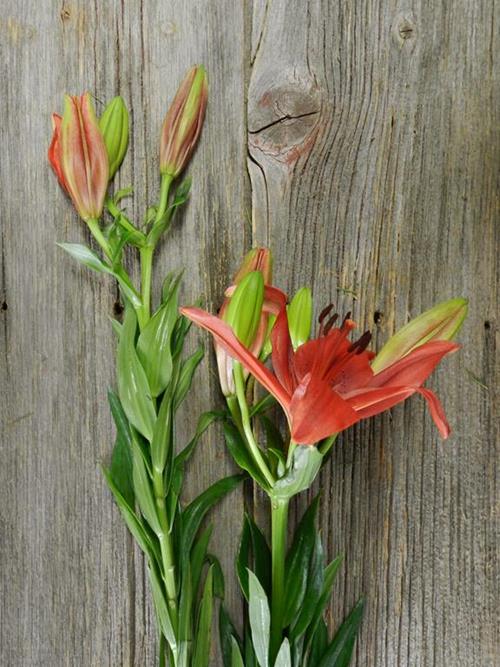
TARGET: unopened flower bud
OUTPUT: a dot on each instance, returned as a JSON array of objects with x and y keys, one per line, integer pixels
[
  {"x": 78, "y": 156},
  {"x": 299, "y": 314},
  {"x": 244, "y": 311},
  {"x": 442, "y": 322},
  {"x": 114, "y": 127},
  {"x": 183, "y": 122}
]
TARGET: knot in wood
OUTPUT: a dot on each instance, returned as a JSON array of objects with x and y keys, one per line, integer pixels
[
  {"x": 404, "y": 30},
  {"x": 283, "y": 118}
]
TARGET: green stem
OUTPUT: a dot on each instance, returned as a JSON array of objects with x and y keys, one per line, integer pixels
[
  {"x": 147, "y": 252},
  {"x": 279, "y": 526},
  {"x": 95, "y": 230},
  {"x": 247, "y": 426}
]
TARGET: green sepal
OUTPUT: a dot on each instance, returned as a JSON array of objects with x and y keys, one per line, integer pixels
[{"x": 133, "y": 388}]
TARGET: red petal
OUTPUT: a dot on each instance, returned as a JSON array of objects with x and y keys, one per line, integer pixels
[
  {"x": 282, "y": 354},
  {"x": 54, "y": 153},
  {"x": 436, "y": 410},
  {"x": 413, "y": 369},
  {"x": 369, "y": 402},
  {"x": 318, "y": 412},
  {"x": 226, "y": 338}
]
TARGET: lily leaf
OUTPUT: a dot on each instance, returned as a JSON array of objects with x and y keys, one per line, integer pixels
[
  {"x": 201, "y": 656},
  {"x": 227, "y": 634},
  {"x": 340, "y": 651},
  {"x": 121, "y": 460},
  {"x": 306, "y": 462},
  {"x": 236, "y": 659},
  {"x": 133, "y": 388},
  {"x": 260, "y": 619},
  {"x": 161, "y": 607},
  {"x": 284, "y": 658},
  {"x": 143, "y": 488}
]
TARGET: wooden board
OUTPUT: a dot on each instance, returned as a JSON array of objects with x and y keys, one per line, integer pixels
[{"x": 359, "y": 140}]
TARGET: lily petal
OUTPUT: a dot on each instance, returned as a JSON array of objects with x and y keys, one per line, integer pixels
[
  {"x": 437, "y": 411},
  {"x": 317, "y": 411},
  {"x": 226, "y": 338}
]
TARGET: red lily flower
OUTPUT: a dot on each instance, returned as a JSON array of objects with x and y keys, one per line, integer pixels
[{"x": 327, "y": 384}]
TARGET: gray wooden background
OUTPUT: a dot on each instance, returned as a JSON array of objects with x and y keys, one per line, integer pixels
[{"x": 359, "y": 139}]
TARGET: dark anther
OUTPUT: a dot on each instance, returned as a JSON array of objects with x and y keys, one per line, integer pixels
[
  {"x": 377, "y": 317},
  {"x": 347, "y": 317},
  {"x": 4, "y": 305},
  {"x": 325, "y": 312},
  {"x": 117, "y": 308},
  {"x": 362, "y": 343},
  {"x": 330, "y": 323}
]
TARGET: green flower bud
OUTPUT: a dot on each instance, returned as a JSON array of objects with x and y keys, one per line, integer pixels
[
  {"x": 114, "y": 127},
  {"x": 244, "y": 310},
  {"x": 439, "y": 323},
  {"x": 299, "y": 315}
]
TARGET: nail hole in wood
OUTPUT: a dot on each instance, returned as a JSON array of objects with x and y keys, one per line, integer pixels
[
  {"x": 377, "y": 317},
  {"x": 487, "y": 325},
  {"x": 4, "y": 305}
]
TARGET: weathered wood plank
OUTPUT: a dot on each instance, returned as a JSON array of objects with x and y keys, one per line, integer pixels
[{"x": 373, "y": 166}]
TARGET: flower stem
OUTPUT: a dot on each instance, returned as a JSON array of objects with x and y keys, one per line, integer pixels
[
  {"x": 279, "y": 526},
  {"x": 95, "y": 230},
  {"x": 147, "y": 252},
  {"x": 247, "y": 426}
]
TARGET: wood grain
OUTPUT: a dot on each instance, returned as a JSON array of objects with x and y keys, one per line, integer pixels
[{"x": 360, "y": 140}]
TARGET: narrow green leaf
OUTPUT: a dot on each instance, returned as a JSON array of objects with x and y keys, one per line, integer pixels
[
  {"x": 161, "y": 608},
  {"x": 227, "y": 633},
  {"x": 329, "y": 579},
  {"x": 143, "y": 489},
  {"x": 201, "y": 656},
  {"x": 121, "y": 460},
  {"x": 218, "y": 575},
  {"x": 260, "y": 619},
  {"x": 193, "y": 515},
  {"x": 130, "y": 517},
  {"x": 86, "y": 256},
  {"x": 198, "y": 555},
  {"x": 339, "y": 653},
  {"x": 241, "y": 456},
  {"x": 314, "y": 588},
  {"x": 153, "y": 346},
  {"x": 319, "y": 644},
  {"x": 236, "y": 659},
  {"x": 284, "y": 659},
  {"x": 243, "y": 557},
  {"x": 163, "y": 432},
  {"x": 188, "y": 368},
  {"x": 297, "y": 562},
  {"x": 133, "y": 388},
  {"x": 185, "y": 633}
]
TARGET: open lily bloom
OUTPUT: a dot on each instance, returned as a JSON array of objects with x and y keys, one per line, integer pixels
[{"x": 327, "y": 384}]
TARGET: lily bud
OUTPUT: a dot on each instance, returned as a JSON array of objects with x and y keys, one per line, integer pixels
[
  {"x": 442, "y": 322},
  {"x": 83, "y": 157},
  {"x": 299, "y": 314},
  {"x": 258, "y": 259},
  {"x": 245, "y": 308},
  {"x": 54, "y": 153},
  {"x": 183, "y": 122},
  {"x": 114, "y": 127}
]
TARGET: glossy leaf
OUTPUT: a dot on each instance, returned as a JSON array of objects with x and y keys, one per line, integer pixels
[
  {"x": 186, "y": 374},
  {"x": 198, "y": 555},
  {"x": 339, "y": 653},
  {"x": 121, "y": 460},
  {"x": 298, "y": 561},
  {"x": 227, "y": 633},
  {"x": 161, "y": 608},
  {"x": 315, "y": 581},
  {"x": 133, "y": 388},
  {"x": 153, "y": 347},
  {"x": 284, "y": 658},
  {"x": 329, "y": 579},
  {"x": 201, "y": 657},
  {"x": 236, "y": 659},
  {"x": 143, "y": 489},
  {"x": 194, "y": 513},
  {"x": 319, "y": 644},
  {"x": 243, "y": 459},
  {"x": 260, "y": 619},
  {"x": 163, "y": 432}
]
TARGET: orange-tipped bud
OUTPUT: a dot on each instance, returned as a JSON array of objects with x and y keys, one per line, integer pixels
[
  {"x": 78, "y": 156},
  {"x": 183, "y": 122}
]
